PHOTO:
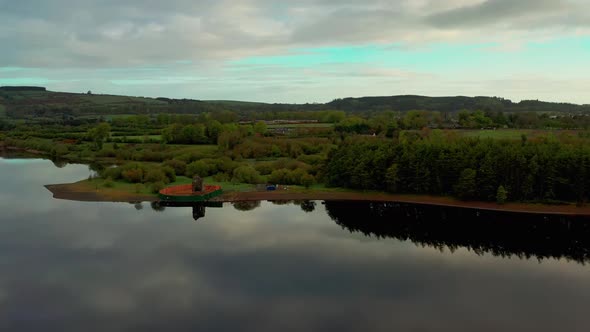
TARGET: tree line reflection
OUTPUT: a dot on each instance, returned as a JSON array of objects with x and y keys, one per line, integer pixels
[
  {"x": 445, "y": 228},
  {"x": 501, "y": 234}
]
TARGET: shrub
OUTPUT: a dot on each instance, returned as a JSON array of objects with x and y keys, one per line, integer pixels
[
  {"x": 307, "y": 180},
  {"x": 170, "y": 173},
  {"x": 133, "y": 172},
  {"x": 221, "y": 177},
  {"x": 279, "y": 176},
  {"x": 155, "y": 175},
  {"x": 157, "y": 186},
  {"x": 108, "y": 183},
  {"x": 106, "y": 153},
  {"x": 264, "y": 168},
  {"x": 501, "y": 195},
  {"x": 246, "y": 174},
  {"x": 179, "y": 166},
  {"x": 133, "y": 175},
  {"x": 296, "y": 176},
  {"x": 113, "y": 173},
  {"x": 199, "y": 168}
]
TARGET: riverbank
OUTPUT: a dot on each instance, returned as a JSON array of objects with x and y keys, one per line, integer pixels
[{"x": 85, "y": 191}]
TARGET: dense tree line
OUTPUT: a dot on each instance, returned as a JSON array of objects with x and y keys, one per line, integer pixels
[
  {"x": 450, "y": 104},
  {"x": 543, "y": 170}
]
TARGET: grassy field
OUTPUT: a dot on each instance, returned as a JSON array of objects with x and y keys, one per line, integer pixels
[
  {"x": 515, "y": 134},
  {"x": 113, "y": 187},
  {"x": 150, "y": 137},
  {"x": 197, "y": 149},
  {"x": 2, "y": 111},
  {"x": 120, "y": 187},
  {"x": 302, "y": 125},
  {"x": 108, "y": 117}
]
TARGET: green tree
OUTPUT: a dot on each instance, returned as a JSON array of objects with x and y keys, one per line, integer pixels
[
  {"x": 99, "y": 134},
  {"x": 260, "y": 127},
  {"x": 392, "y": 178},
  {"x": 246, "y": 174},
  {"x": 466, "y": 187},
  {"x": 307, "y": 180},
  {"x": 501, "y": 195}
]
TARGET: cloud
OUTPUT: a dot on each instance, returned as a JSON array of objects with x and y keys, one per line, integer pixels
[
  {"x": 193, "y": 48},
  {"x": 69, "y": 33},
  {"x": 529, "y": 16}
]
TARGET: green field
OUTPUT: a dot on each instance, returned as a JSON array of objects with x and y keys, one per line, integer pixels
[
  {"x": 108, "y": 117},
  {"x": 142, "y": 137},
  {"x": 204, "y": 151},
  {"x": 302, "y": 125},
  {"x": 2, "y": 111},
  {"x": 513, "y": 134}
]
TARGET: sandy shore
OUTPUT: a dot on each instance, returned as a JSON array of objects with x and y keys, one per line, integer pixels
[
  {"x": 571, "y": 210},
  {"x": 75, "y": 192}
]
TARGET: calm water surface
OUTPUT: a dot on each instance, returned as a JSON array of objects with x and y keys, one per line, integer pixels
[{"x": 68, "y": 266}]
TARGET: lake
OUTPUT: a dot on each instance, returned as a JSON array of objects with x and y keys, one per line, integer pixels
[{"x": 302, "y": 266}]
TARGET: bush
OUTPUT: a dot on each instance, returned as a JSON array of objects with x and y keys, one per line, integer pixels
[
  {"x": 106, "y": 153},
  {"x": 133, "y": 175},
  {"x": 157, "y": 186},
  {"x": 221, "y": 177},
  {"x": 246, "y": 174},
  {"x": 179, "y": 166},
  {"x": 170, "y": 173},
  {"x": 279, "y": 176},
  {"x": 199, "y": 168},
  {"x": 113, "y": 173},
  {"x": 108, "y": 183},
  {"x": 501, "y": 195},
  {"x": 307, "y": 180},
  {"x": 155, "y": 175},
  {"x": 296, "y": 177},
  {"x": 264, "y": 168}
]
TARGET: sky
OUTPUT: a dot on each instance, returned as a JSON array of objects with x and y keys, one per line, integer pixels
[{"x": 299, "y": 50}]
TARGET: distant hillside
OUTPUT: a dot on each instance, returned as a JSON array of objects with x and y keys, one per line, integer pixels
[
  {"x": 37, "y": 102},
  {"x": 451, "y": 104},
  {"x": 22, "y": 88}
]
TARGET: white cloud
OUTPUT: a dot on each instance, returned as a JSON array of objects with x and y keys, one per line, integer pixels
[{"x": 191, "y": 44}]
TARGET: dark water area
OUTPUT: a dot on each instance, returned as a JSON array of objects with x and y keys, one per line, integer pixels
[{"x": 273, "y": 266}]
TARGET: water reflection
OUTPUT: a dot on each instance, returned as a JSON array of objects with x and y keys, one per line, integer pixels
[
  {"x": 71, "y": 266},
  {"x": 198, "y": 208},
  {"x": 501, "y": 234}
]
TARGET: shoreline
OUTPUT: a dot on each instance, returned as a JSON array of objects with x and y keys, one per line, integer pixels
[{"x": 74, "y": 192}]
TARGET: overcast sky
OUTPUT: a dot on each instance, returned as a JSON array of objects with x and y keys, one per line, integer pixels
[{"x": 299, "y": 50}]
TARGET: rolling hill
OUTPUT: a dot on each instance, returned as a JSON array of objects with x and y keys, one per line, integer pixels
[{"x": 37, "y": 102}]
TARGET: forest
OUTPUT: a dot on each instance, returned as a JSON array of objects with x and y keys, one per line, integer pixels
[{"x": 544, "y": 170}]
